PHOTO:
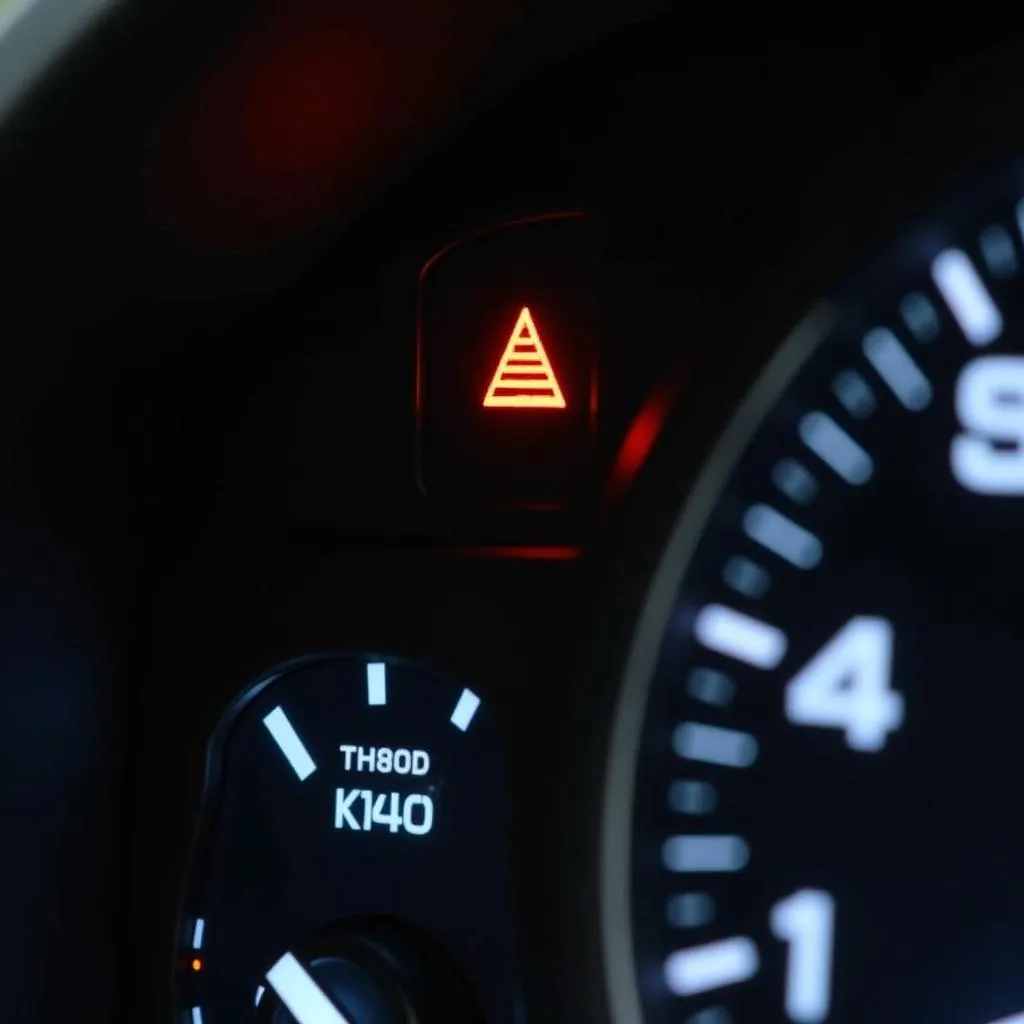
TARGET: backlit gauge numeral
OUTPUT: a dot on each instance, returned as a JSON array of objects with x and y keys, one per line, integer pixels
[
  {"x": 806, "y": 921},
  {"x": 848, "y": 685},
  {"x": 988, "y": 458},
  {"x": 359, "y": 810}
]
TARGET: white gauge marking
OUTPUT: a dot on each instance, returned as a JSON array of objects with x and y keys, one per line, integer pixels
[
  {"x": 715, "y": 745},
  {"x": 836, "y": 448},
  {"x": 288, "y": 741},
  {"x": 197, "y": 1015},
  {"x": 1014, "y": 1018},
  {"x": 376, "y": 683},
  {"x": 301, "y": 995},
  {"x": 465, "y": 709},
  {"x": 920, "y": 316},
  {"x": 778, "y": 533},
  {"x": 687, "y": 796},
  {"x": 854, "y": 394},
  {"x": 997, "y": 251},
  {"x": 901, "y": 374},
  {"x": 745, "y": 577},
  {"x": 710, "y": 686},
  {"x": 705, "y": 853},
  {"x": 715, "y": 1015},
  {"x": 259, "y": 994},
  {"x": 968, "y": 299},
  {"x": 197, "y": 933},
  {"x": 690, "y": 910},
  {"x": 739, "y": 636},
  {"x": 794, "y": 481},
  {"x": 705, "y": 968}
]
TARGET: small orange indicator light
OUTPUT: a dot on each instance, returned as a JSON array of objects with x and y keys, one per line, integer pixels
[
  {"x": 524, "y": 378},
  {"x": 197, "y": 965}
]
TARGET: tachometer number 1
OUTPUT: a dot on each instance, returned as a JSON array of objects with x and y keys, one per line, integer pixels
[{"x": 806, "y": 921}]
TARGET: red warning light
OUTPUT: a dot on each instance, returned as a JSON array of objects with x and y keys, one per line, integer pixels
[
  {"x": 196, "y": 965},
  {"x": 524, "y": 378}
]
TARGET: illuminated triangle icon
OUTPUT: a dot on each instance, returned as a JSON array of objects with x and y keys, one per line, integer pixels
[{"x": 524, "y": 378}]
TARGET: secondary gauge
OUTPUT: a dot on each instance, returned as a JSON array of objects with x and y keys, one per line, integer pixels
[
  {"x": 815, "y": 796},
  {"x": 350, "y": 863}
]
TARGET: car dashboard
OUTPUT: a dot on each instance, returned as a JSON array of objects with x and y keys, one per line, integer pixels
[{"x": 510, "y": 515}]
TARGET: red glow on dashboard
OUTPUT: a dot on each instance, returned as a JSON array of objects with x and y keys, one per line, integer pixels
[
  {"x": 645, "y": 430},
  {"x": 196, "y": 965},
  {"x": 524, "y": 378},
  {"x": 305, "y": 109},
  {"x": 518, "y": 552},
  {"x": 308, "y": 101}
]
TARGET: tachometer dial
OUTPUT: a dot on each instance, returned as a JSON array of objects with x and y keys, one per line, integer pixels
[{"x": 815, "y": 804}]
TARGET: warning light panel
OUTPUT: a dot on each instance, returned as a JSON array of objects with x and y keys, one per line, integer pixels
[
  {"x": 524, "y": 378},
  {"x": 507, "y": 365}
]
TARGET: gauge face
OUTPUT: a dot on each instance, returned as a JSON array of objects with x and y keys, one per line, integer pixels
[
  {"x": 815, "y": 810},
  {"x": 350, "y": 863}
]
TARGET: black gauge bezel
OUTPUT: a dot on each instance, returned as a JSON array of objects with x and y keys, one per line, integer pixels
[{"x": 980, "y": 144}]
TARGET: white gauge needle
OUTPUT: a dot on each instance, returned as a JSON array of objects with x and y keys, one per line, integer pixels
[{"x": 303, "y": 997}]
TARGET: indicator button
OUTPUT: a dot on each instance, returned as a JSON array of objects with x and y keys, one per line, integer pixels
[
  {"x": 524, "y": 378},
  {"x": 507, "y": 367}
]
